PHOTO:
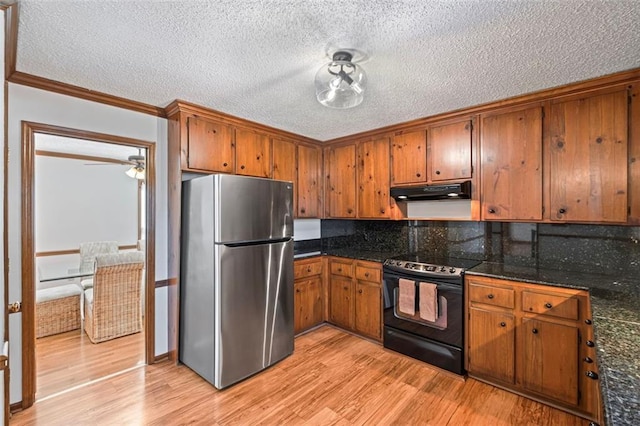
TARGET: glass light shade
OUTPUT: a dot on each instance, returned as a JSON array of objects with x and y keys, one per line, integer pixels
[
  {"x": 136, "y": 172},
  {"x": 340, "y": 84}
]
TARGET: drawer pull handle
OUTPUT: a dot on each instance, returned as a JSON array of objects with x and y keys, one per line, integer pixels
[
  {"x": 592, "y": 375},
  {"x": 490, "y": 296},
  {"x": 503, "y": 324},
  {"x": 590, "y": 343},
  {"x": 534, "y": 331},
  {"x": 562, "y": 211},
  {"x": 588, "y": 360},
  {"x": 548, "y": 305}
]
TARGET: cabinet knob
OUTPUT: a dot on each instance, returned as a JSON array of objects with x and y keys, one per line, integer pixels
[
  {"x": 366, "y": 274},
  {"x": 297, "y": 290},
  {"x": 490, "y": 296},
  {"x": 417, "y": 174},
  {"x": 588, "y": 360},
  {"x": 503, "y": 324},
  {"x": 339, "y": 269},
  {"x": 590, "y": 343},
  {"x": 303, "y": 211},
  {"x": 437, "y": 172},
  {"x": 345, "y": 287},
  {"x": 309, "y": 269},
  {"x": 349, "y": 211},
  {"x": 548, "y": 305},
  {"x": 492, "y": 210},
  {"x": 360, "y": 291},
  {"x": 591, "y": 374},
  {"x": 242, "y": 167},
  {"x": 587, "y": 321},
  {"x": 562, "y": 211},
  {"x": 534, "y": 331},
  {"x": 225, "y": 164}
]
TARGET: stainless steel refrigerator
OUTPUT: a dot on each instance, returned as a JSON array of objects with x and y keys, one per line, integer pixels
[{"x": 236, "y": 279}]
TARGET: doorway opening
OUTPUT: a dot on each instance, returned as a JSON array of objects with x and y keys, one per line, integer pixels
[{"x": 88, "y": 198}]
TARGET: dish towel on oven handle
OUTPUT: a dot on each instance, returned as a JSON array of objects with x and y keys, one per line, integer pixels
[
  {"x": 428, "y": 301},
  {"x": 407, "y": 296}
]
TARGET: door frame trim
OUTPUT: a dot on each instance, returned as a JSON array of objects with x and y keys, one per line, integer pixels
[{"x": 29, "y": 129}]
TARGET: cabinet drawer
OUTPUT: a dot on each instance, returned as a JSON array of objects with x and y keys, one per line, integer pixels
[
  {"x": 368, "y": 274},
  {"x": 341, "y": 268},
  {"x": 556, "y": 305},
  {"x": 307, "y": 269},
  {"x": 496, "y": 296}
]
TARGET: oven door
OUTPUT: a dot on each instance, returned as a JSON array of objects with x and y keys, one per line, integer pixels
[{"x": 448, "y": 328}]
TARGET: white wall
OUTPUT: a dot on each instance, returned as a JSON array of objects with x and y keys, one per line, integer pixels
[
  {"x": 77, "y": 202},
  {"x": 29, "y": 104}
]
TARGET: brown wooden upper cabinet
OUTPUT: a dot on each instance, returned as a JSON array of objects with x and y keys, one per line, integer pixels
[
  {"x": 309, "y": 181},
  {"x": 253, "y": 153},
  {"x": 588, "y": 158},
  {"x": 209, "y": 146},
  {"x": 409, "y": 157},
  {"x": 340, "y": 190},
  {"x": 284, "y": 164},
  {"x": 373, "y": 178},
  {"x": 511, "y": 165},
  {"x": 449, "y": 151}
]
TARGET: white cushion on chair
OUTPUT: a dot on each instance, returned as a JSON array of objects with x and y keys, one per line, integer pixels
[
  {"x": 58, "y": 292},
  {"x": 88, "y": 298},
  {"x": 87, "y": 283}
]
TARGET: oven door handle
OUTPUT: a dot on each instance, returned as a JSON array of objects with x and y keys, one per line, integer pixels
[{"x": 440, "y": 285}]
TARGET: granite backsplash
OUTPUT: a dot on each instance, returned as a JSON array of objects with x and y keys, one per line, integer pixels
[{"x": 604, "y": 249}]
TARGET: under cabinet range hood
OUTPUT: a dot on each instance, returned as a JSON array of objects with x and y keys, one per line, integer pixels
[{"x": 451, "y": 191}]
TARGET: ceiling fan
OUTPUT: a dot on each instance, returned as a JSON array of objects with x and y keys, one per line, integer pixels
[{"x": 137, "y": 163}]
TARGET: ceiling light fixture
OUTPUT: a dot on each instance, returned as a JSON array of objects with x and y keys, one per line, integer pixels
[
  {"x": 137, "y": 170},
  {"x": 340, "y": 83}
]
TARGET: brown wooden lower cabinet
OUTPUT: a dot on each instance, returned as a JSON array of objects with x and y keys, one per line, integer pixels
[
  {"x": 535, "y": 340},
  {"x": 308, "y": 299},
  {"x": 355, "y": 294}
]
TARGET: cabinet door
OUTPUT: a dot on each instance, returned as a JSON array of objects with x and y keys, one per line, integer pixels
[
  {"x": 373, "y": 179},
  {"x": 252, "y": 154},
  {"x": 588, "y": 159},
  {"x": 368, "y": 305},
  {"x": 341, "y": 301},
  {"x": 511, "y": 152},
  {"x": 309, "y": 180},
  {"x": 549, "y": 359},
  {"x": 449, "y": 152},
  {"x": 492, "y": 344},
  {"x": 308, "y": 304},
  {"x": 409, "y": 158},
  {"x": 340, "y": 192},
  {"x": 284, "y": 164},
  {"x": 210, "y": 146}
]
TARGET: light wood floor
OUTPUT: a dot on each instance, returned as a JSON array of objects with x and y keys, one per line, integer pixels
[
  {"x": 333, "y": 378},
  {"x": 70, "y": 359}
]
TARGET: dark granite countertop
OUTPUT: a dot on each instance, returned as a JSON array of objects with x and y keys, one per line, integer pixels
[{"x": 615, "y": 305}]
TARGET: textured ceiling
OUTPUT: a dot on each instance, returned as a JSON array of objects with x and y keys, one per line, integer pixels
[{"x": 257, "y": 59}]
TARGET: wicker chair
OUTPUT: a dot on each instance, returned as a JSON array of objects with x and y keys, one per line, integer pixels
[
  {"x": 88, "y": 253},
  {"x": 112, "y": 306}
]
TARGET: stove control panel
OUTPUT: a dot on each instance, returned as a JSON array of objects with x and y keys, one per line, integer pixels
[{"x": 424, "y": 268}]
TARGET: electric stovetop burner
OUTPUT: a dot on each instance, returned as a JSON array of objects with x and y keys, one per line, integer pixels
[{"x": 429, "y": 265}]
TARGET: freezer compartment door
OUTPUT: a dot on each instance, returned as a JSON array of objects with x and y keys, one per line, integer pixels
[
  {"x": 252, "y": 209},
  {"x": 254, "y": 309}
]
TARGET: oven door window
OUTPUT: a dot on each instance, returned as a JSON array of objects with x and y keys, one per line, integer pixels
[{"x": 448, "y": 325}]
